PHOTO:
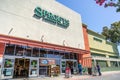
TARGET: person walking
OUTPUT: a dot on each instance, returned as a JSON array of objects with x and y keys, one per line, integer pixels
[
  {"x": 67, "y": 72},
  {"x": 98, "y": 69},
  {"x": 80, "y": 68}
]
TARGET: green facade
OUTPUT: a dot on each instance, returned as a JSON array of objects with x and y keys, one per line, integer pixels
[{"x": 99, "y": 47}]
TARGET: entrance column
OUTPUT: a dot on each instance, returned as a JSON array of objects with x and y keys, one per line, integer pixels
[{"x": 108, "y": 61}]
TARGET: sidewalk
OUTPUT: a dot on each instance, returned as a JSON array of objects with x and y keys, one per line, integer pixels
[{"x": 74, "y": 77}]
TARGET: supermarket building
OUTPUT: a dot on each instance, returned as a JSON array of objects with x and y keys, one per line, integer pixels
[
  {"x": 103, "y": 52},
  {"x": 40, "y": 37}
]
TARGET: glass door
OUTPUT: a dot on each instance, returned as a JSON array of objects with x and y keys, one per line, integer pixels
[
  {"x": 33, "y": 68},
  {"x": 63, "y": 66},
  {"x": 8, "y": 68},
  {"x": 75, "y": 67}
]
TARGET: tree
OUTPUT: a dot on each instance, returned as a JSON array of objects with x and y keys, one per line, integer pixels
[
  {"x": 113, "y": 33},
  {"x": 109, "y": 3}
]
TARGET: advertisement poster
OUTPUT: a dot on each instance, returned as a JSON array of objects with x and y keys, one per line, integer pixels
[{"x": 47, "y": 61}]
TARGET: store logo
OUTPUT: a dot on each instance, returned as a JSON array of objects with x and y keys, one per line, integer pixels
[
  {"x": 44, "y": 61},
  {"x": 51, "y": 18}
]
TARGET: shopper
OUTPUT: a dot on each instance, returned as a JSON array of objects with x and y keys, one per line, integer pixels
[
  {"x": 80, "y": 68},
  {"x": 98, "y": 69},
  {"x": 67, "y": 72}
]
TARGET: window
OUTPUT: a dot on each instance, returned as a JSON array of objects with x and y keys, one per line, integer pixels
[
  {"x": 50, "y": 54},
  {"x": 67, "y": 55},
  {"x": 19, "y": 50},
  {"x": 27, "y": 51},
  {"x": 97, "y": 39},
  {"x": 35, "y": 52},
  {"x": 9, "y": 50},
  {"x": 56, "y": 54},
  {"x": 43, "y": 53},
  {"x": 75, "y": 56},
  {"x": 71, "y": 55},
  {"x": 8, "y": 63},
  {"x": 62, "y": 55}
]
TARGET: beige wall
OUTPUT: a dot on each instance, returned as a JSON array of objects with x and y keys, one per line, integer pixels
[{"x": 18, "y": 14}]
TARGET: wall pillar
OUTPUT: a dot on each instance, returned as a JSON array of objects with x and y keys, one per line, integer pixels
[{"x": 108, "y": 61}]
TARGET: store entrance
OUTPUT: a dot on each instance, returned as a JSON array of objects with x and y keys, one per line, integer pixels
[
  {"x": 73, "y": 65},
  {"x": 21, "y": 68},
  {"x": 70, "y": 64}
]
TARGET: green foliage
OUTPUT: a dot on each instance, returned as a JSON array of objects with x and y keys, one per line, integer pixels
[{"x": 113, "y": 33}]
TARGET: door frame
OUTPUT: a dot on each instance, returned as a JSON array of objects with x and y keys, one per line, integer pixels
[
  {"x": 12, "y": 72},
  {"x": 36, "y": 67},
  {"x": 65, "y": 60},
  {"x": 20, "y": 57}
]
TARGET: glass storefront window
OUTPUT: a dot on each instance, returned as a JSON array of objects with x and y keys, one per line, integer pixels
[
  {"x": 34, "y": 63},
  {"x": 19, "y": 50},
  {"x": 67, "y": 55},
  {"x": 57, "y": 62},
  {"x": 35, "y": 52},
  {"x": 33, "y": 72},
  {"x": 9, "y": 50},
  {"x": 71, "y": 55},
  {"x": 56, "y": 54},
  {"x": 75, "y": 64},
  {"x": 43, "y": 53},
  {"x": 50, "y": 54},
  {"x": 62, "y": 55},
  {"x": 8, "y": 63},
  {"x": 63, "y": 66},
  {"x": 75, "y": 67},
  {"x": 43, "y": 70},
  {"x": 7, "y": 72},
  {"x": 8, "y": 67},
  {"x": 27, "y": 51},
  {"x": 75, "y": 55},
  {"x": 33, "y": 66}
]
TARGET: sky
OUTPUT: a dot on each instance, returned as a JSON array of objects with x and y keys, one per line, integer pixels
[{"x": 93, "y": 15}]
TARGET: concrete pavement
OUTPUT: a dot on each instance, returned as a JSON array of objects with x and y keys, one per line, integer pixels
[{"x": 105, "y": 76}]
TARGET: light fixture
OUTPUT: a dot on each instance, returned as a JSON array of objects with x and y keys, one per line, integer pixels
[
  {"x": 10, "y": 31},
  {"x": 27, "y": 36},
  {"x": 42, "y": 38},
  {"x": 78, "y": 45},
  {"x": 63, "y": 42}
]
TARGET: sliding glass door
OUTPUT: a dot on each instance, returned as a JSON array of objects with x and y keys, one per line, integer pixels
[{"x": 33, "y": 68}]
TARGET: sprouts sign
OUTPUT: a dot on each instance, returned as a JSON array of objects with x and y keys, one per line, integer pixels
[{"x": 51, "y": 18}]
